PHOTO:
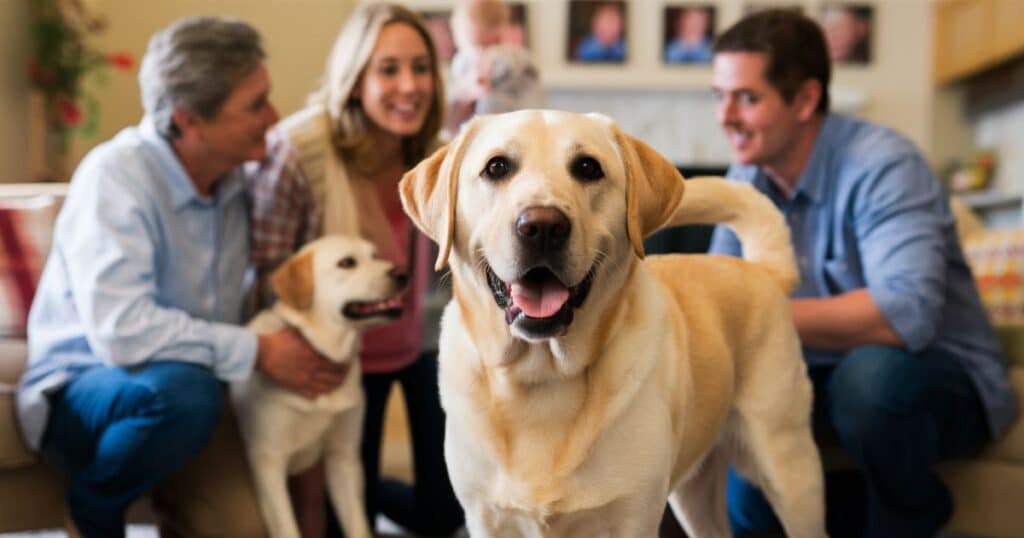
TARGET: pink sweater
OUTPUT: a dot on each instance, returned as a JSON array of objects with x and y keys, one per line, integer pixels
[{"x": 397, "y": 345}]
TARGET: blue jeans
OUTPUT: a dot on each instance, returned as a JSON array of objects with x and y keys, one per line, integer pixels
[
  {"x": 896, "y": 414},
  {"x": 116, "y": 432}
]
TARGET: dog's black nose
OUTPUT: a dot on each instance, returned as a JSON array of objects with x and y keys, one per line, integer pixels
[
  {"x": 399, "y": 276},
  {"x": 543, "y": 228}
]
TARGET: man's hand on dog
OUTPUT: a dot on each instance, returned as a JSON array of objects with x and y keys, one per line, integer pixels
[{"x": 288, "y": 359}]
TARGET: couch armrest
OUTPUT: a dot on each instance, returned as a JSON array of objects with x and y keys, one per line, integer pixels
[
  {"x": 25, "y": 190},
  {"x": 13, "y": 355}
]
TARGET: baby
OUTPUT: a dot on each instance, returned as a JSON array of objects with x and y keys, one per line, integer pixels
[{"x": 488, "y": 75}]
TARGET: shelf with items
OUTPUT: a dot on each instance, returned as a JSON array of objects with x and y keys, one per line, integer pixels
[
  {"x": 996, "y": 208},
  {"x": 992, "y": 200}
]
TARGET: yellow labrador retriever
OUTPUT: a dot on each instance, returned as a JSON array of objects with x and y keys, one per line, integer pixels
[
  {"x": 331, "y": 291},
  {"x": 585, "y": 384}
]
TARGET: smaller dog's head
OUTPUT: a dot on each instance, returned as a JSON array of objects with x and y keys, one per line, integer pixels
[{"x": 337, "y": 281}]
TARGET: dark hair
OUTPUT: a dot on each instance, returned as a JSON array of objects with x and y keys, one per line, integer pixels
[{"x": 793, "y": 44}]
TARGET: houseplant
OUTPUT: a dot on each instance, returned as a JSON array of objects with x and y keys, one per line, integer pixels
[{"x": 61, "y": 59}]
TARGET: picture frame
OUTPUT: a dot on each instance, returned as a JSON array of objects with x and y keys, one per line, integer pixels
[
  {"x": 689, "y": 33},
  {"x": 438, "y": 23},
  {"x": 517, "y": 32},
  {"x": 849, "y": 29},
  {"x": 598, "y": 32}
]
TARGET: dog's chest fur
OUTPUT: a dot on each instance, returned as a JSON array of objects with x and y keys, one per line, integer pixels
[
  {"x": 554, "y": 449},
  {"x": 281, "y": 421}
]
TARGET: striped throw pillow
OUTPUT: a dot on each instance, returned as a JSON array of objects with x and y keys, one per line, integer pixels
[{"x": 26, "y": 226}]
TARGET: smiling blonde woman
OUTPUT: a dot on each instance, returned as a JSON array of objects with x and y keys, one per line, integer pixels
[{"x": 335, "y": 167}]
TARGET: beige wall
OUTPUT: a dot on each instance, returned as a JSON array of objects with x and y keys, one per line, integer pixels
[
  {"x": 896, "y": 87},
  {"x": 14, "y": 27},
  {"x": 298, "y": 34}
]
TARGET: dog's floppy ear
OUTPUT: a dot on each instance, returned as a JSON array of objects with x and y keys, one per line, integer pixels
[
  {"x": 653, "y": 189},
  {"x": 293, "y": 281},
  {"x": 428, "y": 193}
]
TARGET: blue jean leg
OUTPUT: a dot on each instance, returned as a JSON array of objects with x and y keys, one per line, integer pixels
[
  {"x": 897, "y": 414},
  {"x": 117, "y": 432}
]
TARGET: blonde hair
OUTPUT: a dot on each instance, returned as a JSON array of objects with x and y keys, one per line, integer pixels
[
  {"x": 470, "y": 15},
  {"x": 345, "y": 67}
]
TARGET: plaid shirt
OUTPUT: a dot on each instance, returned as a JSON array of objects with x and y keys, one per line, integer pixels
[{"x": 285, "y": 213}]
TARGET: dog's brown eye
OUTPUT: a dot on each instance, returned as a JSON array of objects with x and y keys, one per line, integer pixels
[
  {"x": 497, "y": 168},
  {"x": 586, "y": 169},
  {"x": 347, "y": 262}
]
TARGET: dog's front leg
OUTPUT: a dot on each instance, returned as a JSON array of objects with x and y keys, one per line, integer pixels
[
  {"x": 345, "y": 472},
  {"x": 270, "y": 472},
  {"x": 699, "y": 501}
]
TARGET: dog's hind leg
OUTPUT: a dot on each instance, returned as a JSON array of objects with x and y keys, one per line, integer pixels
[
  {"x": 786, "y": 466},
  {"x": 698, "y": 501},
  {"x": 345, "y": 472}
]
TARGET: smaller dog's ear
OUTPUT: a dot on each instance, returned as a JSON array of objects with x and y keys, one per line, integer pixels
[
  {"x": 429, "y": 190},
  {"x": 293, "y": 281},
  {"x": 653, "y": 189}
]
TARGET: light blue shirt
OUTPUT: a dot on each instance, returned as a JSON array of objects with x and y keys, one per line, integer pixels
[
  {"x": 592, "y": 50},
  {"x": 867, "y": 212},
  {"x": 142, "y": 269},
  {"x": 680, "y": 52}
]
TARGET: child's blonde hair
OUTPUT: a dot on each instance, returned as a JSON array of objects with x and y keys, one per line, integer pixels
[{"x": 471, "y": 17}]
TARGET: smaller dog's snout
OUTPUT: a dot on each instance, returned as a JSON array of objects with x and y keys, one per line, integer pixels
[
  {"x": 399, "y": 276},
  {"x": 544, "y": 228}
]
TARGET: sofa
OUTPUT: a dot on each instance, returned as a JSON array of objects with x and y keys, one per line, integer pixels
[
  {"x": 31, "y": 491},
  {"x": 986, "y": 489}
]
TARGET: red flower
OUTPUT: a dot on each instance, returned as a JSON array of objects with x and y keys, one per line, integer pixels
[
  {"x": 70, "y": 113},
  {"x": 121, "y": 61}
]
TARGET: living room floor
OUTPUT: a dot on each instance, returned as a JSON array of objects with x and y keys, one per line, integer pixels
[{"x": 385, "y": 529}]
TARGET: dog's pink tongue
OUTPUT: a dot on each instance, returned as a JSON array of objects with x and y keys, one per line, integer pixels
[{"x": 539, "y": 300}]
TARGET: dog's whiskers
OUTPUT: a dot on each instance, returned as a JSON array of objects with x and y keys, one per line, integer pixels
[{"x": 444, "y": 280}]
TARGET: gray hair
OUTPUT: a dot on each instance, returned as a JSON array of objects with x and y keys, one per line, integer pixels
[{"x": 195, "y": 63}]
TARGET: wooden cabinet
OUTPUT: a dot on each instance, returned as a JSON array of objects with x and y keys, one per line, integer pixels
[{"x": 973, "y": 35}]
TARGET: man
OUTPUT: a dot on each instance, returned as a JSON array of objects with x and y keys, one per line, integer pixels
[
  {"x": 134, "y": 326},
  {"x": 906, "y": 367}
]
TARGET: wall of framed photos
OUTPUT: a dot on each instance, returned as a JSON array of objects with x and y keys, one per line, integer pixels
[
  {"x": 653, "y": 44},
  {"x": 881, "y": 50}
]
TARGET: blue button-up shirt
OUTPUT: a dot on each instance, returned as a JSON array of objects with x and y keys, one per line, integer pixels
[
  {"x": 142, "y": 269},
  {"x": 867, "y": 212}
]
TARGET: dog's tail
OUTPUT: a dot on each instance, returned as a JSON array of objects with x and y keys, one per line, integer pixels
[{"x": 758, "y": 224}]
